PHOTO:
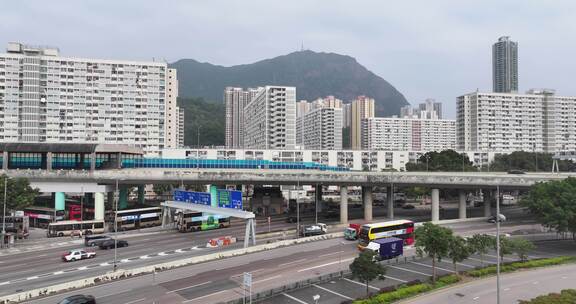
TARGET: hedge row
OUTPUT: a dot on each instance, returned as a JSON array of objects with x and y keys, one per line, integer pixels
[
  {"x": 566, "y": 296},
  {"x": 508, "y": 267},
  {"x": 392, "y": 294}
]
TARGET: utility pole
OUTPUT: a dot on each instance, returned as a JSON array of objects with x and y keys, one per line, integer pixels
[
  {"x": 4, "y": 212},
  {"x": 498, "y": 244},
  {"x": 297, "y": 212},
  {"x": 82, "y": 205},
  {"x": 116, "y": 227}
]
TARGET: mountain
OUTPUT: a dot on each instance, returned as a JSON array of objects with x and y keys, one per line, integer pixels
[{"x": 313, "y": 74}]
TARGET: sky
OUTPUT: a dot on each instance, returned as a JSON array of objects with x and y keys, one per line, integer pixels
[{"x": 427, "y": 49}]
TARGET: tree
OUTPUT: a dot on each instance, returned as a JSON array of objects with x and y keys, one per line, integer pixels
[
  {"x": 19, "y": 193},
  {"x": 528, "y": 161},
  {"x": 481, "y": 243},
  {"x": 521, "y": 247},
  {"x": 506, "y": 247},
  {"x": 160, "y": 189},
  {"x": 458, "y": 250},
  {"x": 365, "y": 268},
  {"x": 553, "y": 204},
  {"x": 447, "y": 160},
  {"x": 434, "y": 242}
]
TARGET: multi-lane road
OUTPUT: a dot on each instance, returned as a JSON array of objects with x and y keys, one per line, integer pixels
[{"x": 202, "y": 283}]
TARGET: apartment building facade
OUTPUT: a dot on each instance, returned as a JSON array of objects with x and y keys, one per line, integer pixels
[
  {"x": 48, "y": 98},
  {"x": 320, "y": 128},
  {"x": 362, "y": 108}
]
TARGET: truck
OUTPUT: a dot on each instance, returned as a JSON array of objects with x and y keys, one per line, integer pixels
[
  {"x": 314, "y": 229},
  {"x": 351, "y": 232},
  {"x": 387, "y": 248}
]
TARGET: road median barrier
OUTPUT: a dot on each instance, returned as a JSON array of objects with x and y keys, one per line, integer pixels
[{"x": 128, "y": 273}]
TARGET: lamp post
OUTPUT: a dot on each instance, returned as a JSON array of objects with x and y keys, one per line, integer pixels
[
  {"x": 498, "y": 219},
  {"x": 297, "y": 211},
  {"x": 82, "y": 205},
  {"x": 116, "y": 226},
  {"x": 4, "y": 212}
]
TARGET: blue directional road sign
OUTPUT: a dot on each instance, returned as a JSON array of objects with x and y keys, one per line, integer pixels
[
  {"x": 229, "y": 199},
  {"x": 201, "y": 198}
]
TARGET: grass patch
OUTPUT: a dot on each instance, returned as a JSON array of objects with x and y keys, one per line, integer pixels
[
  {"x": 405, "y": 291},
  {"x": 513, "y": 266}
]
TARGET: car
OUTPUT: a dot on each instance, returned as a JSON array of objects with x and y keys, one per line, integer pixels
[
  {"x": 78, "y": 299},
  {"x": 77, "y": 254},
  {"x": 291, "y": 219},
  {"x": 492, "y": 219},
  {"x": 516, "y": 172},
  {"x": 95, "y": 240},
  {"x": 109, "y": 244},
  {"x": 408, "y": 206}
]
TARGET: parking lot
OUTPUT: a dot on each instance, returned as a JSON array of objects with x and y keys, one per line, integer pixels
[{"x": 340, "y": 290}]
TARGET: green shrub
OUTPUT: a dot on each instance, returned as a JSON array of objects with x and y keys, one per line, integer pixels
[
  {"x": 447, "y": 280},
  {"x": 564, "y": 297},
  {"x": 508, "y": 267},
  {"x": 400, "y": 293}
]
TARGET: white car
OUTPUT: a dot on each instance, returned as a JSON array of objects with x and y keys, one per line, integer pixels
[{"x": 75, "y": 255}]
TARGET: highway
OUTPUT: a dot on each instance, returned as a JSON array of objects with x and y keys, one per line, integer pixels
[
  {"x": 40, "y": 264},
  {"x": 217, "y": 279}
]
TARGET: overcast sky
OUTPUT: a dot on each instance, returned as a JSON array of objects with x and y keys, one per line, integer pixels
[{"x": 426, "y": 49}]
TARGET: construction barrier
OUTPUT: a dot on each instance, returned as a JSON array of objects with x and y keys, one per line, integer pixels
[{"x": 221, "y": 241}]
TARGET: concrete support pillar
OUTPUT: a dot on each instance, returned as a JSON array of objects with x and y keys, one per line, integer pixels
[
  {"x": 390, "y": 201},
  {"x": 48, "y": 161},
  {"x": 367, "y": 201},
  {"x": 123, "y": 198},
  {"x": 343, "y": 204},
  {"x": 99, "y": 206},
  {"x": 4, "y": 160},
  {"x": 141, "y": 194},
  {"x": 435, "y": 205},
  {"x": 119, "y": 160},
  {"x": 487, "y": 204},
  {"x": 461, "y": 204},
  {"x": 318, "y": 193},
  {"x": 110, "y": 199},
  {"x": 60, "y": 201},
  {"x": 92, "y": 161}
]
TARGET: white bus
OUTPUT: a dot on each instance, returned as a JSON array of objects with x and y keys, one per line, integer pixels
[
  {"x": 67, "y": 228},
  {"x": 135, "y": 218}
]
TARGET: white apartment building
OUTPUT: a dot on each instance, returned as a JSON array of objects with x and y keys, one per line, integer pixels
[
  {"x": 538, "y": 121},
  {"x": 235, "y": 100},
  {"x": 408, "y": 134},
  {"x": 180, "y": 130},
  {"x": 362, "y": 108},
  {"x": 357, "y": 160},
  {"x": 320, "y": 128},
  {"x": 48, "y": 98},
  {"x": 270, "y": 119}
]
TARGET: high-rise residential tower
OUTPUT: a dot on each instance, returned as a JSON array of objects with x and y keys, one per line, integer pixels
[
  {"x": 270, "y": 119},
  {"x": 48, "y": 98},
  {"x": 235, "y": 100},
  {"x": 362, "y": 108},
  {"x": 505, "y": 66}
]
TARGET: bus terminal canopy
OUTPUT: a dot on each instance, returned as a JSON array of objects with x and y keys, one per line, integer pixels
[{"x": 208, "y": 209}]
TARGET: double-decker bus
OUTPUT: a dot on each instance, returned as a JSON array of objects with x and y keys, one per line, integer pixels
[
  {"x": 67, "y": 228},
  {"x": 135, "y": 218},
  {"x": 42, "y": 216},
  {"x": 17, "y": 225},
  {"x": 403, "y": 229},
  {"x": 75, "y": 213},
  {"x": 195, "y": 221}
]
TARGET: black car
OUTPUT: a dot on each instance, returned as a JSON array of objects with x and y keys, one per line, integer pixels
[
  {"x": 95, "y": 240},
  {"x": 516, "y": 172},
  {"x": 109, "y": 244},
  {"x": 78, "y": 299},
  {"x": 408, "y": 206}
]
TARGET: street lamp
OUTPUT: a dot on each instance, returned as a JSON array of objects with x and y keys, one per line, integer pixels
[
  {"x": 499, "y": 217},
  {"x": 116, "y": 226},
  {"x": 297, "y": 211}
]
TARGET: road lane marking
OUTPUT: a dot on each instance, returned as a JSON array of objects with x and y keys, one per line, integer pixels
[
  {"x": 175, "y": 290},
  {"x": 5, "y": 283},
  {"x": 430, "y": 266},
  {"x": 58, "y": 272},
  {"x": 32, "y": 278},
  {"x": 124, "y": 260},
  {"x": 105, "y": 264},
  {"x": 324, "y": 265},
  {"x": 338, "y": 294},
  {"x": 396, "y": 279},
  {"x": 178, "y": 251},
  {"x": 162, "y": 253},
  {"x": 82, "y": 268},
  {"x": 208, "y": 295},
  {"x": 461, "y": 264},
  {"x": 362, "y": 284},
  {"x": 295, "y": 299},
  {"x": 476, "y": 298},
  {"x": 267, "y": 279},
  {"x": 135, "y": 301},
  {"x": 409, "y": 270},
  {"x": 196, "y": 248},
  {"x": 329, "y": 254},
  {"x": 144, "y": 257},
  {"x": 506, "y": 289},
  {"x": 290, "y": 263},
  {"x": 482, "y": 261}
]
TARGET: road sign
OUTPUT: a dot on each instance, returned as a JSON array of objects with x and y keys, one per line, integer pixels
[
  {"x": 201, "y": 198},
  {"x": 247, "y": 279},
  {"x": 229, "y": 199}
]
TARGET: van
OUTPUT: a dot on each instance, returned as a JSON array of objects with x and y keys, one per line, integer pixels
[{"x": 95, "y": 240}]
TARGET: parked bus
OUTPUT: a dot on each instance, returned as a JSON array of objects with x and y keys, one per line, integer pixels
[
  {"x": 403, "y": 229},
  {"x": 18, "y": 225},
  {"x": 67, "y": 228},
  {"x": 75, "y": 213},
  {"x": 135, "y": 218},
  {"x": 196, "y": 221},
  {"x": 42, "y": 216}
]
